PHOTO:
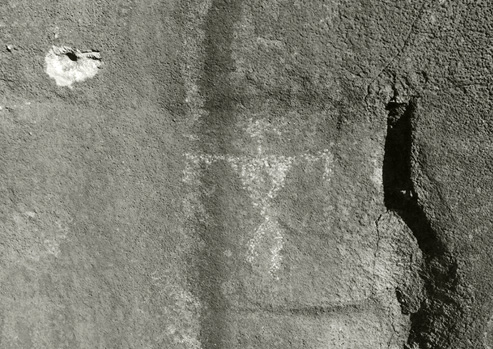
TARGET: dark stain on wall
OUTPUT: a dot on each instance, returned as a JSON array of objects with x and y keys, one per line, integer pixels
[{"x": 216, "y": 89}]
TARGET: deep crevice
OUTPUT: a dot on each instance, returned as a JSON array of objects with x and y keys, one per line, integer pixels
[
  {"x": 429, "y": 324},
  {"x": 399, "y": 193}
]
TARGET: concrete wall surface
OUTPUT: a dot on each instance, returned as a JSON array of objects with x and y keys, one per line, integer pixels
[{"x": 254, "y": 174}]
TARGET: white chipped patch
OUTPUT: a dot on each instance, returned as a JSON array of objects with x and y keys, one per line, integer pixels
[{"x": 67, "y": 65}]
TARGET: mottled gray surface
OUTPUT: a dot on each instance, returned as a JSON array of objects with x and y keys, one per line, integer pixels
[{"x": 245, "y": 174}]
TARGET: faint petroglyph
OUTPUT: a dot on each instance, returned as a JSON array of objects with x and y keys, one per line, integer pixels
[
  {"x": 262, "y": 176},
  {"x": 262, "y": 189},
  {"x": 67, "y": 65}
]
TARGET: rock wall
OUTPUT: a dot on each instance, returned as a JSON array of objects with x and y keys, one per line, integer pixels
[{"x": 245, "y": 174}]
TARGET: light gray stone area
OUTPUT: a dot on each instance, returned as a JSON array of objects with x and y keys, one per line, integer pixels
[{"x": 225, "y": 174}]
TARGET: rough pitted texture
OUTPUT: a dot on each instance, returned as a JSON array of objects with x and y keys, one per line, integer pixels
[{"x": 245, "y": 174}]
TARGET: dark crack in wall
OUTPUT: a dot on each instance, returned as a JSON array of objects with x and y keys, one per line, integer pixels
[{"x": 432, "y": 323}]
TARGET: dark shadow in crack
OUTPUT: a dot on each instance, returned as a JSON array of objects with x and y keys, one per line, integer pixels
[
  {"x": 399, "y": 194},
  {"x": 439, "y": 270}
]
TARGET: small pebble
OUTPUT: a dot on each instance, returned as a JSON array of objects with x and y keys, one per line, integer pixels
[{"x": 10, "y": 48}]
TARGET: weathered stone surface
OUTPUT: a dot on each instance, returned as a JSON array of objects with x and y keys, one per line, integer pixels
[
  {"x": 446, "y": 66},
  {"x": 245, "y": 174}
]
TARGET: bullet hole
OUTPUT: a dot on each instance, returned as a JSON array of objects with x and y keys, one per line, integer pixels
[
  {"x": 67, "y": 65},
  {"x": 72, "y": 56}
]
